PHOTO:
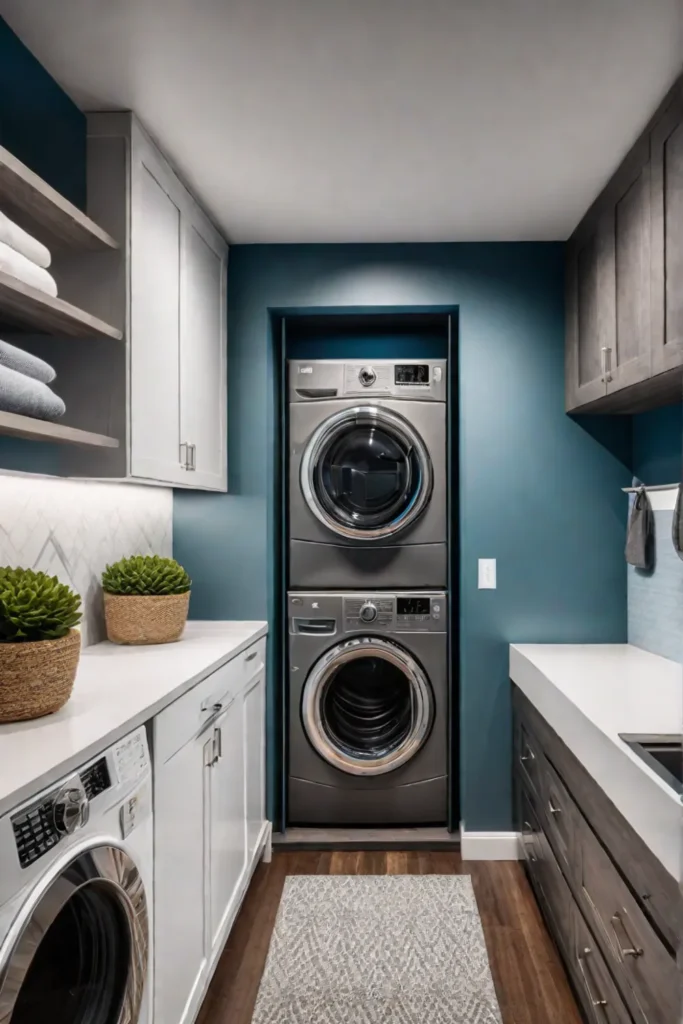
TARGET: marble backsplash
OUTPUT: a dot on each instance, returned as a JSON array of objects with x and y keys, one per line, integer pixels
[{"x": 71, "y": 529}]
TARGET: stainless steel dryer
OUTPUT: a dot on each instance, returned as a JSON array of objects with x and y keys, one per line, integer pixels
[
  {"x": 368, "y": 708},
  {"x": 367, "y": 474}
]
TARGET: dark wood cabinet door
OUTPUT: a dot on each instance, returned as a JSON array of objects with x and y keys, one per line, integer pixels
[
  {"x": 667, "y": 237},
  {"x": 628, "y": 359},
  {"x": 588, "y": 313}
]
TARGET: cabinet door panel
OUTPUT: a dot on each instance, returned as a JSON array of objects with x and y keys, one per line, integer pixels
[
  {"x": 589, "y": 320},
  {"x": 227, "y": 841},
  {"x": 629, "y": 196},
  {"x": 203, "y": 409},
  {"x": 667, "y": 239},
  {"x": 155, "y": 323},
  {"x": 180, "y": 820},
  {"x": 254, "y": 759}
]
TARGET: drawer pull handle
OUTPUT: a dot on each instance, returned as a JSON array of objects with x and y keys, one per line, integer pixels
[
  {"x": 554, "y": 810},
  {"x": 528, "y": 756},
  {"x": 583, "y": 967},
  {"x": 528, "y": 831},
  {"x": 631, "y": 949},
  {"x": 250, "y": 657}
]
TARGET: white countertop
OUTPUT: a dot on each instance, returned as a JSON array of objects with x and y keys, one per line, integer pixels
[
  {"x": 116, "y": 690},
  {"x": 590, "y": 694}
]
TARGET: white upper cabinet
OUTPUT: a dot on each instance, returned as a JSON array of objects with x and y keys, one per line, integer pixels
[{"x": 163, "y": 390}]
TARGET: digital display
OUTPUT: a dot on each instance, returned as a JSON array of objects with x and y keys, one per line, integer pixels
[
  {"x": 411, "y": 373},
  {"x": 412, "y": 606}
]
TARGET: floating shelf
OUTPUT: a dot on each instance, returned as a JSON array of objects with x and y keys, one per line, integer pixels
[
  {"x": 44, "y": 212},
  {"x": 28, "y": 307},
  {"x": 41, "y": 430}
]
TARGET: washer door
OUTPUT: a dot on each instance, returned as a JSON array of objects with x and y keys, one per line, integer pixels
[
  {"x": 367, "y": 706},
  {"x": 77, "y": 951},
  {"x": 366, "y": 473}
]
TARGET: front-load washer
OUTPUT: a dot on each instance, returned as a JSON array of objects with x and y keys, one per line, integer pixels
[
  {"x": 76, "y": 879},
  {"x": 367, "y": 474},
  {"x": 368, "y": 708}
]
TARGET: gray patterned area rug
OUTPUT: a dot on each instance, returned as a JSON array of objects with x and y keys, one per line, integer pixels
[{"x": 377, "y": 949}]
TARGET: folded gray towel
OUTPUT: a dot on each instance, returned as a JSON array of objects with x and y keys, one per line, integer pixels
[
  {"x": 28, "y": 397},
  {"x": 677, "y": 525},
  {"x": 24, "y": 362}
]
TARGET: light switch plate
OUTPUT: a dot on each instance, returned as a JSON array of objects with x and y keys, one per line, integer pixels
[{"x": 487, "y": 574}]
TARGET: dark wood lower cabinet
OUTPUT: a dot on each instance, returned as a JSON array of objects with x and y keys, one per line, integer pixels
[{"x": 598, "y": 906}]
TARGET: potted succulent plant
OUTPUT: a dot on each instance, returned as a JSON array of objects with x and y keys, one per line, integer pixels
[
  {"x": 146, "y": 600},
  {"x": 39, "y": 644}
]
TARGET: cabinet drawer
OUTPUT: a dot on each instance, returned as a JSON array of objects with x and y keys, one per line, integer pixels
[
  {"x": 184, "y": 718},
  {"x": 561, "y": 819},
  {"x": 528, "y": 757},
  {"x": 551, "y": 890},
  {"x": 594, "y": 984},
  {"x": 645, "y": 969}
]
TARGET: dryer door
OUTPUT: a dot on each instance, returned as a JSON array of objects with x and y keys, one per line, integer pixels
[
  {"x": 77, "y": 951},
  {"x": 367, "y": 706},
  {"x": 366, "y": 473}
]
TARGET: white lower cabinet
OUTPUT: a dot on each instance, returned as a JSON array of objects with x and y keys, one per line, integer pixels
[{"x": 209, "y": 813}]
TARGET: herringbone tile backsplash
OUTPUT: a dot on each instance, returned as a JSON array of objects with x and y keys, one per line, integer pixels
[{"x": 72, "y": 529}]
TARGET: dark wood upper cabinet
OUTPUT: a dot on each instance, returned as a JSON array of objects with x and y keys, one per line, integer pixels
[
  {"x": 624, "y": 279},
  {"x": 667, "y": 237}
]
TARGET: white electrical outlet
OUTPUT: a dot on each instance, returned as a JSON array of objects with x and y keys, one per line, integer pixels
[{"x": 487, "y": 574}]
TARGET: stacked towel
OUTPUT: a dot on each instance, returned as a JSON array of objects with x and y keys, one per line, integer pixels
[
  {"x": 24, "y": 380},
  {"x": 14, "y": 236},
  {"x": 16, "y": 265},
  {"x": 29, "y": 397}
]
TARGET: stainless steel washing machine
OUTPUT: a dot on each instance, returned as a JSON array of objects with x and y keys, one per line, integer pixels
[
  {"x": 368, "y": 708},
  {"x": 367, "y": 474}
]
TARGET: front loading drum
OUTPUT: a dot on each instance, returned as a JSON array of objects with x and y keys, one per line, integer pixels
[{"x": 367, "y": 706}]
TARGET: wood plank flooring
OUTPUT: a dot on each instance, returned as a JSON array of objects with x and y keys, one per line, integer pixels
[{"x": 530, "y": 981}]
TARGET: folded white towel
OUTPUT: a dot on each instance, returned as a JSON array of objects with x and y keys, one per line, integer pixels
[
  {"x": 26, "y": 363},
  {"x": 16, "y": 265},
  {"x": 14, "y": 236}
]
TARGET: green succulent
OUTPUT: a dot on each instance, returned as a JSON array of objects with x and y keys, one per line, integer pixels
[
  {"x": 35, "y": 606},
  {"x": 145, "y": 574}
]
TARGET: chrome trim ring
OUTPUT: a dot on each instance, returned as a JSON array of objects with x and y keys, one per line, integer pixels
[
  {"x": 422, "y": 704},
  {"x": 102, "y": 861},
  {"x": 331, "y": 428}
]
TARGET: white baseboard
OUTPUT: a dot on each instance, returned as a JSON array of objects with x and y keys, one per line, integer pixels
[{"x": 489, "y": 845}]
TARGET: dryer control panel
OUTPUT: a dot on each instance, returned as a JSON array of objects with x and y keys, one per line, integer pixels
[{"x": 368, "y": 613}]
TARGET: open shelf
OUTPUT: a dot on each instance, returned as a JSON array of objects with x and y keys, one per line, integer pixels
[
  {"x": 41, "y": 430},
  {"x": 44, "y": 212},
  {"x": 25, "y": 306}
]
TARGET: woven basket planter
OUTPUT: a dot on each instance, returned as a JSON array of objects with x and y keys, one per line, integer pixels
[
  {"x": 145, "y": 619},
  {"x": 37, "y": 678}
]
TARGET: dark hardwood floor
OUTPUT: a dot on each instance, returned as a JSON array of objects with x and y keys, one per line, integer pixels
[{"x": 530, "y": 981}]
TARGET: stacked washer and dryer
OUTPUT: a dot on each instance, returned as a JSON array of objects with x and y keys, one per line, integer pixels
[{"x": 367, "y": 595}]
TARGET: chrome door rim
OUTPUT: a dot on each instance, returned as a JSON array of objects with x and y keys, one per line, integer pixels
[
  {"x": 331, "y": 428},
  {"x": 100, "y": 860},
  {"x": 322, "y": 673}
]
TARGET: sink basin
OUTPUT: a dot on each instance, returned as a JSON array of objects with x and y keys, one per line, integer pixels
[{"x": 664, "y": 754}]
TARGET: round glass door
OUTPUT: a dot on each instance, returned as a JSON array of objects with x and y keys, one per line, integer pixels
[
  {"x": 77, "y": 954},
  {"x": 366, "y": 473},
  {"x": 367, "y": 706}
]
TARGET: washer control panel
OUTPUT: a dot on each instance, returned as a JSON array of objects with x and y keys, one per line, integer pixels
[{"x": 395, "y": 612}]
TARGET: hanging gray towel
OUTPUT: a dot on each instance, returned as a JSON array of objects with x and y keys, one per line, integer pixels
[
  {"x": 677, "y": 526},
  {"x": 641, "y": 532},
  {"x": 24, "y": 362},
  {"x": 28, "y": 397}
]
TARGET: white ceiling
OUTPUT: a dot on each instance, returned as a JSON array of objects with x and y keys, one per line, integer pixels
[{"x": 373, "y": 120}]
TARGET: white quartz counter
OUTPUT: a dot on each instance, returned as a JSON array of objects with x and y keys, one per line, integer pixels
[
  {"x": 590, "y": 694},
  {"x": 116, "y": 690}
]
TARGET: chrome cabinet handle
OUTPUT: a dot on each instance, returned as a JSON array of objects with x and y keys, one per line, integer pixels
[
  {"x": 250, "y": 657},
  {"x": 217, "y": 706},
  {"x": 554, "y": 810},
  {"x": 606, "y": 364},
  {"x": 184, "y": 455},
  {"x": 583, "y": 967},
  {"x": 191, "y": 457},
  {"x": 631, "y": 949},
  {"x": 528, "y": 756},
  {"x": 217, "y": 745},
  {"x": 528, "y": 830}
]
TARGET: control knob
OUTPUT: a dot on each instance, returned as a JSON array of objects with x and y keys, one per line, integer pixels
[
  {"x": 71, "y": 809},
  {"x": 368, "y": 612},
  {"x": 367, "y": 376}
]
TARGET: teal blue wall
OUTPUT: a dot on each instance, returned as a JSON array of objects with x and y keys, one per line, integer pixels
[
  {"x": 658, "y": 445},
  {"x": 41, "y": 126},
  {"x": 539, "y": 491}
]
